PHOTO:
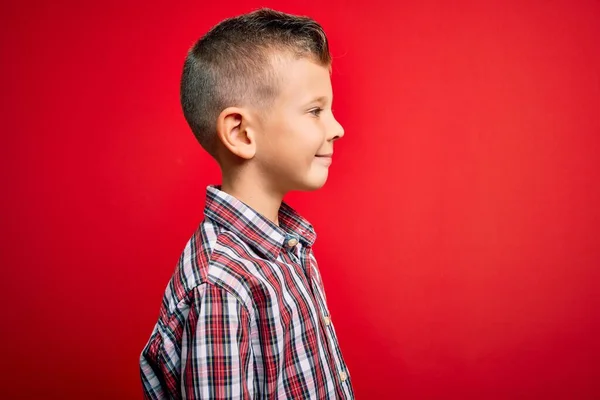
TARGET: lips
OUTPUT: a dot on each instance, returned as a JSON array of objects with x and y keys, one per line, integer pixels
[{"x": 325, "y": 159}]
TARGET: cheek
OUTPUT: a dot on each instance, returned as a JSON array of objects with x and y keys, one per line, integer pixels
[
  {"x": 296, "y": 138},
  {"x": 313, "y": 135}
]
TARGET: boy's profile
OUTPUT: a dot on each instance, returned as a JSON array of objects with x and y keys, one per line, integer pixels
[{"x": 245, "y": 314}]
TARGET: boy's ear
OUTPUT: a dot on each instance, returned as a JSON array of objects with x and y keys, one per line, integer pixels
[{"x": 234, "y": 132}]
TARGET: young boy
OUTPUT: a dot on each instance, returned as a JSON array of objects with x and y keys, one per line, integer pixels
[{"x": 245, "y": 315}]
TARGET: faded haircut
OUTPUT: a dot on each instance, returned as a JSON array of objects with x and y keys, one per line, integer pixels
[{"x": 233, "y": 65}]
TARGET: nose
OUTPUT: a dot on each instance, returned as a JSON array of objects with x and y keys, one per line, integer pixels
[{"x": 336, "y": 131}]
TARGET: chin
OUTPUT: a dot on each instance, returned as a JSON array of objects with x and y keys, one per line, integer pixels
[
  {"x": 314, "y": 183},
  {"x": 315, "y": 187},
  {"x": 313, "y": 180}
]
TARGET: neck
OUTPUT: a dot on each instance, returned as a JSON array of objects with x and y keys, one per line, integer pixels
[{"x": 255, "y": 194}]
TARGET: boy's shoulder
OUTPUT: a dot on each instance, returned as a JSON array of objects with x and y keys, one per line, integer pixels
[
  {"x": 217, "y": 257},
  {"x": 233, "y": 249}
]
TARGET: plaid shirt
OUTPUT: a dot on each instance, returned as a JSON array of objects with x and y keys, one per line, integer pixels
[{"x": 245, "y": 314}]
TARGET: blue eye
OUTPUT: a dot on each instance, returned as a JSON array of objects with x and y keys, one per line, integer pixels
[{"x": 316, "y": 111}]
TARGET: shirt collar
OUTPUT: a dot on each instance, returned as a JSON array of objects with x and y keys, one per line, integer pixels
[{"x": 256, "y": 230}]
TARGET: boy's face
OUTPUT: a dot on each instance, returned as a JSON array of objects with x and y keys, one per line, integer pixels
[{"x": 295, "y": 139}]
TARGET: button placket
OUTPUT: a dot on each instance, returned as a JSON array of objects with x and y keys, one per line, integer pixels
[{"x": 330, "y": 336}]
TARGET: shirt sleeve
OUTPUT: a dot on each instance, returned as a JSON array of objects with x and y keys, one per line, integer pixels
[{"x": 217, "y": 361}]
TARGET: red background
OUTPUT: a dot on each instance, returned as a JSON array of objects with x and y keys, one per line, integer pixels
[{"x": 457, "y": 234}]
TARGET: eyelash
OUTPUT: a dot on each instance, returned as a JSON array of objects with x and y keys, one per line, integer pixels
[{"x": 317, "y": 111}]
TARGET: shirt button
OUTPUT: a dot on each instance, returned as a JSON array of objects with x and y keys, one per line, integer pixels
[
  {"x": 343, "y": 376},
  {"x": 292, "y": 242},
  {"x": 327, "y": 320}
]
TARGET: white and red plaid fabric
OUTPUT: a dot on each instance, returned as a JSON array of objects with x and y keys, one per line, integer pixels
[{"x": 245, "y": 314}]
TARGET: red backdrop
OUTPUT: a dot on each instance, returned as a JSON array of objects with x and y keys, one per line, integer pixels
[{"x": 457, "y": 234}]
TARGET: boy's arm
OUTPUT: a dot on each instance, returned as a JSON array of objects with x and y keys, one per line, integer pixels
[{"x": 217, "y": 360}]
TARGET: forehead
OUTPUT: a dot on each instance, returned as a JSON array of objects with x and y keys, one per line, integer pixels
[{"x": 302, "y": 79}]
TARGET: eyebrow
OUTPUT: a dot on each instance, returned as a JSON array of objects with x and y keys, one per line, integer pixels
[{"x": 320, "y": 99}]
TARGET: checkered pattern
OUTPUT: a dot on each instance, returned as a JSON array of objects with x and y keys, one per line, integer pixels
[{"x": 245, "y": 314}]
